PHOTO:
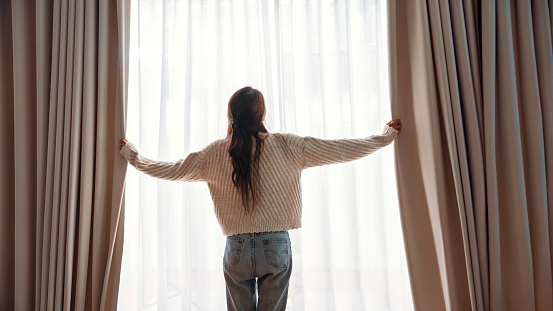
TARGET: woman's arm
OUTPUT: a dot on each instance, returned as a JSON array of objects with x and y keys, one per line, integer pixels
[
  {"x": 187, "y": 169},
  {"x": 318, "y": 152}
]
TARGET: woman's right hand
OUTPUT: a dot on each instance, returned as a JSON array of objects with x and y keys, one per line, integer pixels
[{"x": 395, "y": 124}]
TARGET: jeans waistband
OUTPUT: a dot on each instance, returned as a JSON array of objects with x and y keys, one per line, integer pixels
[{"x": 260, "y": 233}]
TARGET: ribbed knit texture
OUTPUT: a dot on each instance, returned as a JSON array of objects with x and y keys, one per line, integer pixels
[{"x": 284, "y": 156}]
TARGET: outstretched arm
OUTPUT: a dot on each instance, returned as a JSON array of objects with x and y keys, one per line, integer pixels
[
  {"x": 187, "y": 169},
  {"x": 318, "y": 152}
]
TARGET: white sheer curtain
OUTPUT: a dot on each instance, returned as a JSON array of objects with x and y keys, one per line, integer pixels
[{"x": 322, "y": 66}]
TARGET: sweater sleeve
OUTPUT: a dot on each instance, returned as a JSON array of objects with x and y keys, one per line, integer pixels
[
  {"x": 187, "y": 169},
  {"x": 318, "y": 152}
]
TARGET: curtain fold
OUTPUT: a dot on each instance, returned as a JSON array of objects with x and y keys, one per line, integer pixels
[
  {"x": 63, "y": 95},
  {"x": 472, "y": 82}
]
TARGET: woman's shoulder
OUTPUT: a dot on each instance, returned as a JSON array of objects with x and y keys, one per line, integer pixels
[
  {"x": 278, "y": 134},
  {"x": 217, "y": 144},
  {"x": 292, "y": 141},
  {"x": 290, "y": 137},
  {"x": 214, "y": 147}
]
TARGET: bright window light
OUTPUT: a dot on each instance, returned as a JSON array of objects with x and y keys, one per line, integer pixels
[{"x": 323, "y": 69}]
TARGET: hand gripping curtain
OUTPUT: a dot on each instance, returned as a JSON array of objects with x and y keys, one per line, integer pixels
[
  {"x": 473, "y": 83},
  {"x": 63, "y": 86}
]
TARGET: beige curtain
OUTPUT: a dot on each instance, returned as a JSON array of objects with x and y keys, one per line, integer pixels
[
  {"x": 63, "y": 82},
  {"x": 473, "y": 83}
]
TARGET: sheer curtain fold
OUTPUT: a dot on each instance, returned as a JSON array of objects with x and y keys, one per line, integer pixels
[
  {"x": 63, "y": 85},
  {"x": 476, "y": 77},
  {"x": 321, "y": 66}
]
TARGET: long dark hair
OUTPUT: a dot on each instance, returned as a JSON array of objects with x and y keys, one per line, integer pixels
[{"x": 246, "y": 111}]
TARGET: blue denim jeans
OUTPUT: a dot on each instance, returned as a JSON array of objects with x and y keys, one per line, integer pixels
[{"x": 263, "y": 259}]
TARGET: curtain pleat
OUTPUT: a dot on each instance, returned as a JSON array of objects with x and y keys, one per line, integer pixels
[
  {"x": 44, "y": 41},
  {"x": 476, "y": 76},
  {"x": 24, "y": 147},
  {"x": 63, "y": 95},
  {"x": 7, "y": 187}
]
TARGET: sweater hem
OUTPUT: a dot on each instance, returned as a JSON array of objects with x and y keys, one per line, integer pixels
[{"x": 245, "y": 230}]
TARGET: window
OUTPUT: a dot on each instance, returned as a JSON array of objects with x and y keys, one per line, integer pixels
[{"x": 322, "y": 66}]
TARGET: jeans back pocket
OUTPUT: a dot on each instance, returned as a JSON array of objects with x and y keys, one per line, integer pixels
[
  {"x": 276, "y": 253},
  {"x": 232, "y": 251}
]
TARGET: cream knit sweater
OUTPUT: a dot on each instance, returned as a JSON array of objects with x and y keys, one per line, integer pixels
[{"x": 282, "y": 160}]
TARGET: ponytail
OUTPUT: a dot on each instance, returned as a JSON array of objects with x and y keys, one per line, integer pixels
[{"x": 246, "y": 112}]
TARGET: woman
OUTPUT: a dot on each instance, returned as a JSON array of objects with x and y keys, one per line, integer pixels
[{"x": 254, "y": 180}]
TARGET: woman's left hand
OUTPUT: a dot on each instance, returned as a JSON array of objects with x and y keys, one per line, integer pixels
[{"x": 122, "y": 143}]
